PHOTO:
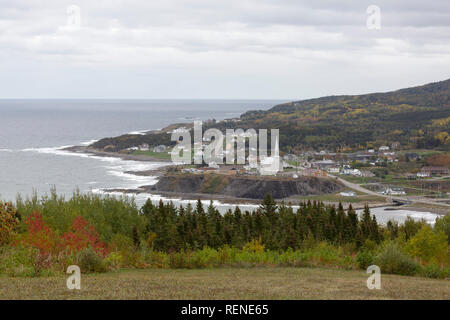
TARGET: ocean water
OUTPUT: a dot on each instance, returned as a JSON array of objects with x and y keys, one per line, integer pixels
[{"x": 33, "y": 132}]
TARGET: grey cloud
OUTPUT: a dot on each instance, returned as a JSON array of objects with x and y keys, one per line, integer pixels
[{"x": 272, "y": 40}]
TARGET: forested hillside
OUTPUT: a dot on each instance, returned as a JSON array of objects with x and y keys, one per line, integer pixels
[{"x": 417, "y": 117}]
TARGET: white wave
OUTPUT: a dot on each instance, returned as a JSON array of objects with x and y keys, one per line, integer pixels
[
  {"x": 6, "y": 150},
  {"x": 136, "y": 181},
  {"x": 115, "y": 166},
  {"x": 429, "y": 217},
  {"x": 57, "y": 151},
  {"x": 87, "y": 143},
  {"x": 400, "y": 215},
  {"x": 141, "y": 132},
  {"x": 141, "y": 198}
]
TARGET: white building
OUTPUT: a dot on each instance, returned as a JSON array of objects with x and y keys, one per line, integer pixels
[
  {"x": 271, "y": 165},
  {"x": 333, "y": 170},
  {"x": 348, "y": 193},
  {"x": 423, "y": 174},
  {"x": 394, "y": 191},
  {"x": 160, "y": 148},
  {"x": 213, "y": 165},
  {"x": 383, "y": 148},
  {"x": 352, "y": 172}
]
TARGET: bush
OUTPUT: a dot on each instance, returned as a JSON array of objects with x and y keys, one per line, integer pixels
[
  {"x": 434, "y": 271},
  {"x": 393, "y": 260},
  {"x": 429, "y": 246},
  {"x": 364, "y": 258},
  {"x": 205, "y": 258},
  {"x": 18, "y": 261},
  {"x": 113, "y": 261},
  {"x": 254, "y": 245},
  {"x": 90, "y": 261},
  {"x": 8, "y": 222},
  {"x": 133, "y": 258},
  {"x": 179, "y": 260},
  {"x": 443, "y": 224}
]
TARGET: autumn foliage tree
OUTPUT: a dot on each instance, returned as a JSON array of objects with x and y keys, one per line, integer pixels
[
  {"x": 39, "y": 235},
  {"x": 83, "y": 235},
  {"x": 429, "y": 246},
  {"x": 8, "y": 222}
]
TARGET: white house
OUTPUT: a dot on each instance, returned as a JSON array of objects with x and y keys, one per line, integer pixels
[
  {"x": 423, "y": 174},
  {"x": 333, "y": 170},
  {"x": 383, "y": 148},
  {"x": 144, "y": 147},
  {"x": 348, "y": 193},
  {"x": 394, "y": 191},
  {"x": 271, "y": 165},
  {"x": 160, "y": 148},
  {"x": 352, "y": 172},
  {"x": 213, "y": 165}
]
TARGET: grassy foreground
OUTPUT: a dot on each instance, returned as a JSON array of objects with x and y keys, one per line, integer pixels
[{"x": 227, "y": 283}]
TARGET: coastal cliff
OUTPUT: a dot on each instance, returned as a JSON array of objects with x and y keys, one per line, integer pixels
[{"x": 246, "y": 187}]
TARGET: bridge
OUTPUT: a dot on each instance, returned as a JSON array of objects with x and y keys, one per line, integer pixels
[
  {"x": 398, "y": 201},
  {"x": 394, "y": 200}
]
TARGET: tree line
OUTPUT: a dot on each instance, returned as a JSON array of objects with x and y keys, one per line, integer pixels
[{"x": 279, "y": 227}]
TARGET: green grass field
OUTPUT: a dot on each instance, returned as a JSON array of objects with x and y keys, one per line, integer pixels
[
  {"x": 157, "y": 155},
  {"x": 227, "y": 283}
]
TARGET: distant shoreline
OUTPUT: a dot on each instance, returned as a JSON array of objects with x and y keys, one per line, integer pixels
[{"x": 123, "y": 156}]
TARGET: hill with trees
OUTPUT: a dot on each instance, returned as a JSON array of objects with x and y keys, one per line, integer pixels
[{"x": 417, "y": 117}]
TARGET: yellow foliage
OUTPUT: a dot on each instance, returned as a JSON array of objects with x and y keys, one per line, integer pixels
[
  {"x": 441, "y": 122},
  {"x": 254, "y": 246},
  {"x": 443, "y": 137},
  {"x": 8, "y": 222},
  {"x": 429, "y": 246}
]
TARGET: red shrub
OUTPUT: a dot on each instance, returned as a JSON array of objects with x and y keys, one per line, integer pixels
[
  {"x": 39, "y": 235},
  {"x": 82, "y": 235}
]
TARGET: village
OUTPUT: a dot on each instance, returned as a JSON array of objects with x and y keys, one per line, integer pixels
[{"x": 388, "y": 170}]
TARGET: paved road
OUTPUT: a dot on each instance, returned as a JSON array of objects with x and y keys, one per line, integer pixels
[{"x": 417, "y": 199}]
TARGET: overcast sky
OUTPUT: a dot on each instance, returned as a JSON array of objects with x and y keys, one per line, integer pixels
[{"x": 233, "y": 49}]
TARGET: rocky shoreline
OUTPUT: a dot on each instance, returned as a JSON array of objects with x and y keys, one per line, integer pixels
[{"x": 245, "y": 187}]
